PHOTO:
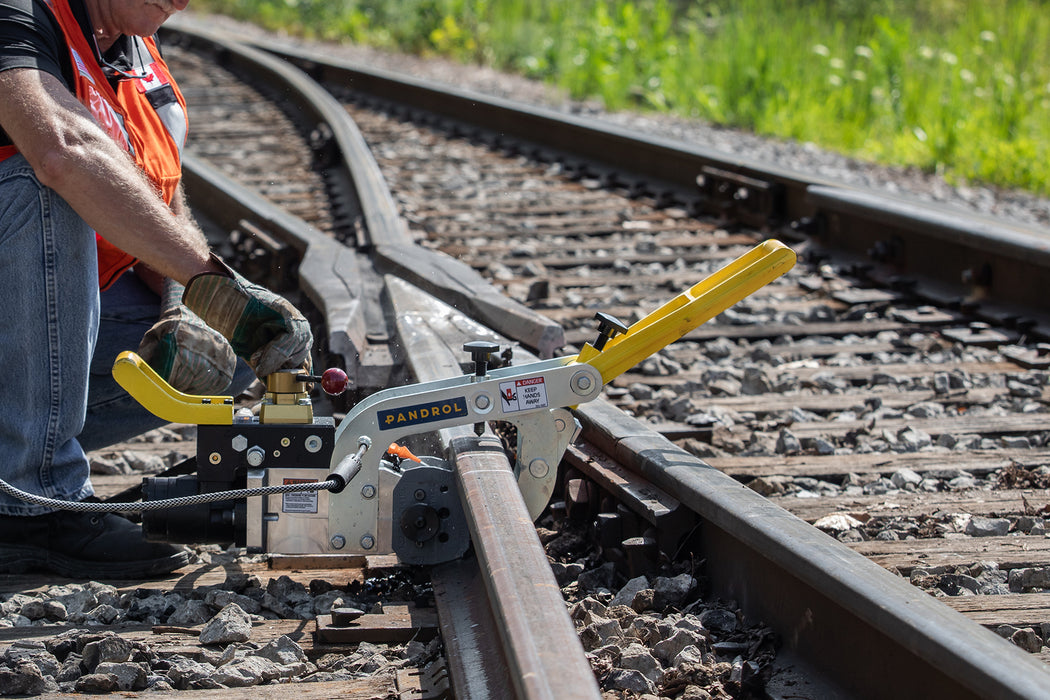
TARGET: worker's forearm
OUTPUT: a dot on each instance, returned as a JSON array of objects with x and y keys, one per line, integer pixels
[
  {"x": 109, "y": 192},
  {"x": 70, "y": 154}
]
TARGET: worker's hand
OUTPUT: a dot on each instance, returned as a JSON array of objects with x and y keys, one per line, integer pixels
[
  {"x": 184, "y": 351},
  {"x": 263, "y": 328}
]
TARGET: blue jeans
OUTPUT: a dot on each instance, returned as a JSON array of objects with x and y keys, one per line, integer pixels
[
  {"x": 55, "y": 381},
  {"x": 49, "y": 294}
]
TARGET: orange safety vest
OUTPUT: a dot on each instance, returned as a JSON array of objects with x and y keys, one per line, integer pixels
[{"x": 154, "y": 136}]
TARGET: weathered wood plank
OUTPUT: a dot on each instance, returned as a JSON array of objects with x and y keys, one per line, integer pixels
[
  {"x": 1017, "y": 609},
  {"x": 830, "y": 466},
  {"x": 210, "y": 574},
  {"x": 1008, "y": 552},
  {"x": 170, "y": 641},
  {"x": 861, "y": 374},
  {"x": 1005, "y": 501},
  {"x": 958, "y": 425},
  {"x": 833, "y": 403}
]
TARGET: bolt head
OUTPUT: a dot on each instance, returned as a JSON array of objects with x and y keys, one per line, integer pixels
[
  {"x": 337, "y": 542},
  {"x": 368, "y": 542},
  {"x": 539, "y": 468},
  {"x": 582, "y": 383}
]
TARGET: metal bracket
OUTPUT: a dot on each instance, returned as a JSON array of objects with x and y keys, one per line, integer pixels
[
  {"x": 980, "y": 333},
  {"x": 1030, "y": 358},
  {"x": 429, "y": 526},
  {"x": 430, "y": 683},
  {"x": 737, "y": 197},
  {"x": 923, "y": 315},
  {"x": 543, "y": 438}
]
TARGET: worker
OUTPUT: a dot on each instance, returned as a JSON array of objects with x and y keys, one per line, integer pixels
[{"x": 100, "y": 254}]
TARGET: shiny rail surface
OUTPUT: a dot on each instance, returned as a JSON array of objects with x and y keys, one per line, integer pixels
[{"x": 815, "y": 591}]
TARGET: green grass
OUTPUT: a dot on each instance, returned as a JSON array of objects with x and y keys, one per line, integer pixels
[{"x": 959, "y": 87}]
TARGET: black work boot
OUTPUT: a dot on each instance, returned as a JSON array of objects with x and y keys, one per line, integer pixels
[{"x": 84, "y": 545}]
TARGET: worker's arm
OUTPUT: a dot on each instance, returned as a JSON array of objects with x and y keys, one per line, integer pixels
[{"x": 71, "y": 154}]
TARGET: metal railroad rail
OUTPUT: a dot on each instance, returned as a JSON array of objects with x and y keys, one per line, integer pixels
[
  {"x": 542, "y": 657},
  {"x": 541, "y": 654},
  {"x": 834, "y": 595}
]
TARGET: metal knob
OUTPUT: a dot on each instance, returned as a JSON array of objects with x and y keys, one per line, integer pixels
[
  {"x": 334, "y": 380},
  {"x": 608, "y": 327},
  {"x": 479, "y": 352}
]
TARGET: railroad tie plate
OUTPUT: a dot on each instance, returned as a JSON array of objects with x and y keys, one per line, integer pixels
[
  {"x": 396, "y": 624},
  {"x": 980, "y": 334},
  {"x": 1029, "y": 358}
]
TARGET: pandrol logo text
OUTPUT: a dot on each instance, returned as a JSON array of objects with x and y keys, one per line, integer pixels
[{"x": 422, "y": 413}]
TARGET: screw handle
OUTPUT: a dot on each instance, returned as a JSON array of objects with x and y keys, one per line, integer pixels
[
  {"x": 608, "y": 327},
  {"x": 479, "y": 352},
  {"x": 334, "y": 380}
]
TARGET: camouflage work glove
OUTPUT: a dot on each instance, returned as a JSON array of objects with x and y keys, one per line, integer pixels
[
  {"x": 184, "y": 351},
  {"x": 262, "y": 327}
]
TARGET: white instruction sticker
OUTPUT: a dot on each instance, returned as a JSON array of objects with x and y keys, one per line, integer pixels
[
  {"x": 523, "y": 394},
  {"x": 301, "y": 502}
]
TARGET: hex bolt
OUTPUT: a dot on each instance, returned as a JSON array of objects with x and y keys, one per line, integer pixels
[
  {"x": 337, "y": 541},
  {"x": 608, "y": 327},
  {"x": 239, "y": 443},
  {"x": 368, "y": 542},
  {"x": 255, "y": 456},
  {"x": 368, "y": 491},
  {"x": 581, "y": 383}
]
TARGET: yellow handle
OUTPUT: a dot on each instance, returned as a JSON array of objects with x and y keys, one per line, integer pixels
[
  {"x": 699, "y": 304},
  {"x": 163, "y": 401}
]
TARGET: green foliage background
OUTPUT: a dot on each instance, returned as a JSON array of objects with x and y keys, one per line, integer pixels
[{"x": 961, "y": 87}]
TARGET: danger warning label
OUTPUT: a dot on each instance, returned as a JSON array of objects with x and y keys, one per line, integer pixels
[{"x": 523, "y": 394}]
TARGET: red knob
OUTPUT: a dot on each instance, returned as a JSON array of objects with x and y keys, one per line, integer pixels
[{"x": 334, "y": 381}]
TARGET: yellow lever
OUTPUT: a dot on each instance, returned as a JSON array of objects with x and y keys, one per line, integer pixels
[
  {"x": 163, "y": 401},
  {"x": 699, "y": 304}
]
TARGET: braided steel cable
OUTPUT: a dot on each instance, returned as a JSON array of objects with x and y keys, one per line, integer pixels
[{"x": 164, "y": 504}]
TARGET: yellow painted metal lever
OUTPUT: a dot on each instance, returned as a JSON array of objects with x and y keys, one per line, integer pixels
[
  {"x": 163, "y": 401},
  {"x": 699, "y": 304}
]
